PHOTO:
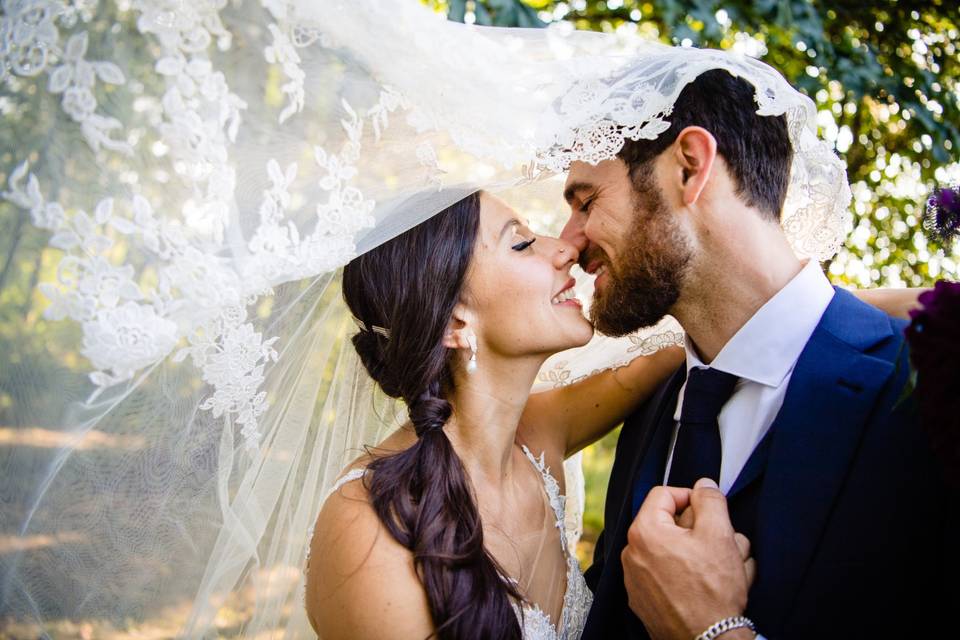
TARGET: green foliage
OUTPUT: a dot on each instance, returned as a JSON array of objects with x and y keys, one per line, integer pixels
[
  {"x": 497, "y": 13},
  {"x": 597, "y": 462}
]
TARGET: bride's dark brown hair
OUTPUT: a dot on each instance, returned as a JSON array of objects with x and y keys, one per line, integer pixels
[{"x": 410, "y": 286}]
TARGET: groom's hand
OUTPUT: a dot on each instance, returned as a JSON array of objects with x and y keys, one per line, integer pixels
[
  {"x": 682, "y": 580},
  {"x": 685, "y": 520}
]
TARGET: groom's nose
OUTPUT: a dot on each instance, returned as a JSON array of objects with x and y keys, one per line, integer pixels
[{"x": 574, "y": 231}]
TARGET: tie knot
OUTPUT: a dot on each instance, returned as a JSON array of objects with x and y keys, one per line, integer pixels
[{"x": 706, "y": 392}]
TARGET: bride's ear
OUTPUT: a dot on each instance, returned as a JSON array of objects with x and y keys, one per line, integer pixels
[
  {"x": 456, "y": 335},
  {"x": 695, "y": 152}
]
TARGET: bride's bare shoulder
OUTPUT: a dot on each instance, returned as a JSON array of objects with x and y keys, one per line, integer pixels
[
  {"x": 395, "y": 442},
  {"x": 359, "y": 575}
]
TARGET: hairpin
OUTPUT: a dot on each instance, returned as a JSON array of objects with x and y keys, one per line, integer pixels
[{"x": 374, "y": 328}]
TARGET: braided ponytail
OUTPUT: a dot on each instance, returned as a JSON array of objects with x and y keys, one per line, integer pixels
[{"x": 410, "y": 285}]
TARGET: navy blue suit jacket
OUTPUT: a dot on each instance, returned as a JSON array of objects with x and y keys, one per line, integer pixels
[{"x": 853, "y": 530}]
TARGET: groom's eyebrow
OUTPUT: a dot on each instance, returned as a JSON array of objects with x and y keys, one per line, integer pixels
[{"x": 572, "y": 189}]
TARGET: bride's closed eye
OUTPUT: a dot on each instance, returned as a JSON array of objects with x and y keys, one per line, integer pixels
[{"x": 520, "y": 246}]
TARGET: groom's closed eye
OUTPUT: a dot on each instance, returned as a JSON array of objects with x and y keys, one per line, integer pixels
[
  {"x": 579, "y": 196},
  {"x": 585, "y": 205}
]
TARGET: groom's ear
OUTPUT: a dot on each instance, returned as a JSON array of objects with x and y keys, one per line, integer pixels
[{"x": 695, "y": 150}]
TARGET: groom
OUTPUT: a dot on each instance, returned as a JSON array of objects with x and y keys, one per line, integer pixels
[{"x": 789, "y": 401}]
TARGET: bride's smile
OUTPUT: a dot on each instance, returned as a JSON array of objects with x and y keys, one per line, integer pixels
[{"x": 519, "y": 287}]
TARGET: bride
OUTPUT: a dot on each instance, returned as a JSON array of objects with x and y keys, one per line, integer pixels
[{"x": 453, "y": 525}]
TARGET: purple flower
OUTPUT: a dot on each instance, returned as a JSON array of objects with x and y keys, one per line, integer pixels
[
  {"x": 942, "y": 217},
  {"x": 934, "y": 338}
]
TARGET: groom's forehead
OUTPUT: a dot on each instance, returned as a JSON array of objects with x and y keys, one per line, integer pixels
[{"x": 584, "y": 176}]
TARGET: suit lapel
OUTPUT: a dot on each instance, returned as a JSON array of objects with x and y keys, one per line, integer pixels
[
  {"x": 754, "y": 466},
  {"x": 811, "y": 445}
]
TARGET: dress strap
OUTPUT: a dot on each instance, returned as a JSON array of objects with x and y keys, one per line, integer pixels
[
  {"x": 552, "y": 488},
  {"x": 349, "y": 476}
]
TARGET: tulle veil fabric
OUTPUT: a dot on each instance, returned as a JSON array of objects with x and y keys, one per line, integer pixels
[{"x": 208, "y": 168}]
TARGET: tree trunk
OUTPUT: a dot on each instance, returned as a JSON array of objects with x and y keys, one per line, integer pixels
[
  {"x": 34, "y": 279},
  {"x": 17, "y": 236}
]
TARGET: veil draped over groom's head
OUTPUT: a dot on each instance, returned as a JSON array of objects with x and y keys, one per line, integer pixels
[{"x": 654, "y": 255}]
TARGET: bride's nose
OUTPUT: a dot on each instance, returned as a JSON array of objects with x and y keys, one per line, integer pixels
[{"x": 564, "y": 254}]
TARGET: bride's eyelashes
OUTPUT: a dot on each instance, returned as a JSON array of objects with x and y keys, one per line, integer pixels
[{"x": 520, "y": 246}]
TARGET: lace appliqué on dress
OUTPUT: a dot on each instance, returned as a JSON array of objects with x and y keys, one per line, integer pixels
[{"x": 535, "y": 624}]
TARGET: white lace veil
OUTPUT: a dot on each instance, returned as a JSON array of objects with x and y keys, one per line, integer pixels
[{"x": 204, "y": 170}]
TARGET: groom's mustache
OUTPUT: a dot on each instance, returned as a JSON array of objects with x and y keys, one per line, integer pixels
[{"x": 593, "y": 256}]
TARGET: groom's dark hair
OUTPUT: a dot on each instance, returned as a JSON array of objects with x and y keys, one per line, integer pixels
[{"x": 756, "y": 148}]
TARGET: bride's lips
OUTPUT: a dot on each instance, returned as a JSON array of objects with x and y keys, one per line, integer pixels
[{"x": 566, "y": 297}]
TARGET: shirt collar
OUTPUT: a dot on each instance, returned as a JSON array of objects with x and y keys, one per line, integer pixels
[{"x": 768, "y": 346}]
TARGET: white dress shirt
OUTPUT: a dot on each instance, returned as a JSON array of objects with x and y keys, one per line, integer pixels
[{"x": 762, "y": 354}]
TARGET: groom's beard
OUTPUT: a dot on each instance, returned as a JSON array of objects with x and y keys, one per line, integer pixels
[{"x": 645, "y": 283}]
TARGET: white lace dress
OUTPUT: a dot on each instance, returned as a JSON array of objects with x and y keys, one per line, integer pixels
[
  {"x": 577, "y": 599},
  {"x": 536, "y": 624}
]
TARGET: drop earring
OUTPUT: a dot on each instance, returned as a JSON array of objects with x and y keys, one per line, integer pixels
[{"x": 472, "y": 362}]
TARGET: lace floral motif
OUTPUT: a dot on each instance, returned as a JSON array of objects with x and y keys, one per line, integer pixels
[
  {"x": 560, "y": 373},
  {"x": 198, "y": 294},
  {"x": 647, "y": 345},
  {"x": 283, "y": 51},
  {"x": 577, "y": 597},
  {"x": 29, "y": 41},
  {"x": 427, "y": 156}
]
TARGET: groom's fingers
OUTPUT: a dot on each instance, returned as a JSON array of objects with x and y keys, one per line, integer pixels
[
  {"x": 663, "y": 504},
  {"x": 709, "y": 506},
  {"x": 750, "y": 568},
  {"x": 743, "y": 544}
]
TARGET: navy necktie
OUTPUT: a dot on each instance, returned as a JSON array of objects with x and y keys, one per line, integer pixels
[{"x": 697, "y": 451}]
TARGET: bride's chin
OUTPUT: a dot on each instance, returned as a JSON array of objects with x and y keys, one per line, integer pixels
[
  {"x": 571, "y": 336},
  {"x": 580, "y": 335}
]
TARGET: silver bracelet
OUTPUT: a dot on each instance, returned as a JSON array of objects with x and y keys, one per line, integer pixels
[{"x": 727, "y": 624}]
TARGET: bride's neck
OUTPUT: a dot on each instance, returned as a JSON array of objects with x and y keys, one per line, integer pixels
[{"x": 487, "y": 405}]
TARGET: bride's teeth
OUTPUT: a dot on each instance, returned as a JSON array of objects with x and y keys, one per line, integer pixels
[{"x": 563, "y": 296}]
